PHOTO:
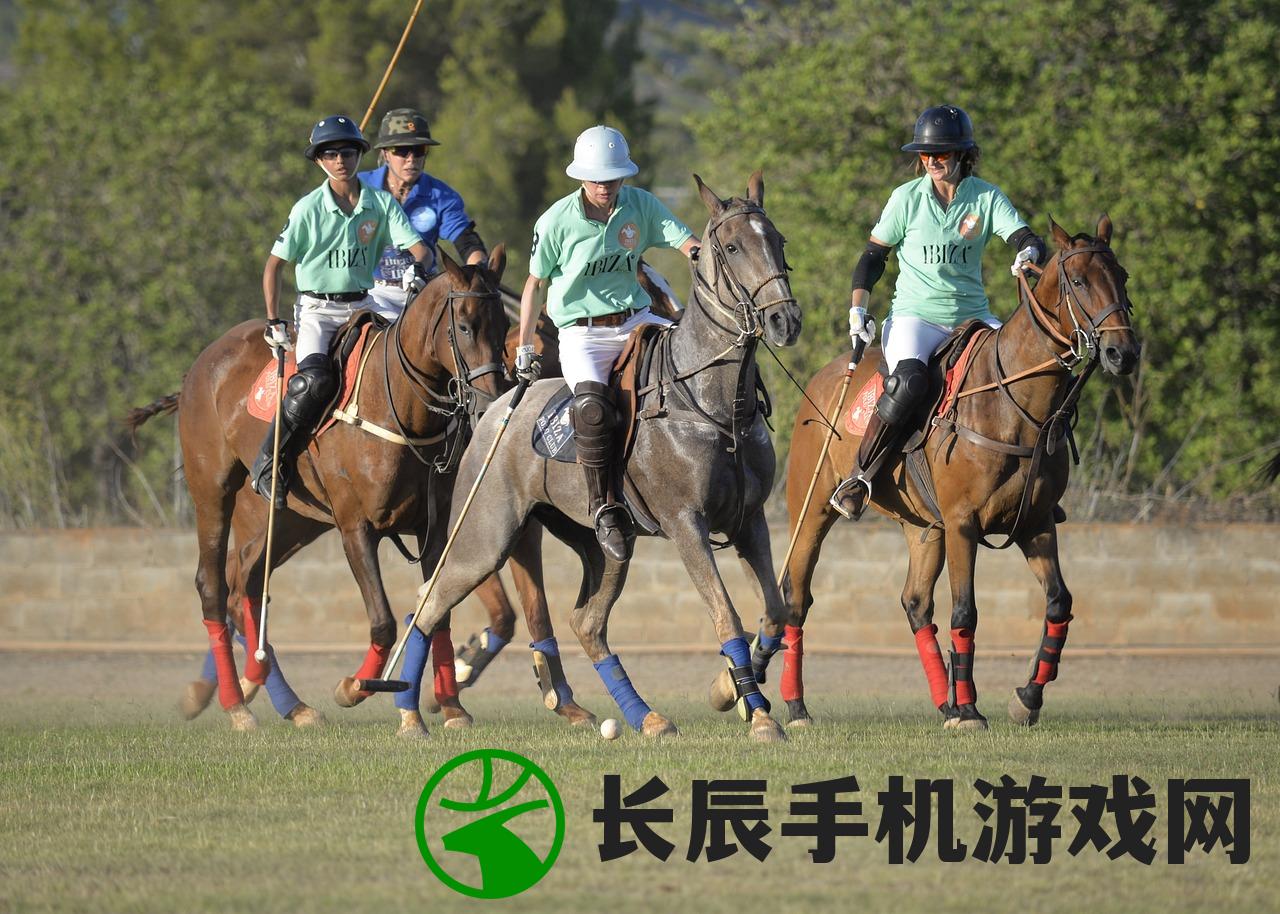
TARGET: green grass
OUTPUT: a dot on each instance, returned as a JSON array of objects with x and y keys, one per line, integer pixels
[{"x": 108, "y": 803}]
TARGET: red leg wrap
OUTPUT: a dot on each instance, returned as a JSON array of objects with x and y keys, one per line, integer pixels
[
  {"x": 446, "y": 680},
  {"x": 962, "y": 643},
  {"x": 792, "y": 685},
  {"x": 253, "y": 670},
  {"x": 229, "y": 693},
  {"x": 931, "y": 660},
  {"x": 1055, "y": 635},
  {"x": 374, "y": 662}
]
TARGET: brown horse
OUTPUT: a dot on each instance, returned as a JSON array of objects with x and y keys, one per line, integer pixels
[
  {"x": 997, "y": 467},
  {"x": 423, "y": 389}
]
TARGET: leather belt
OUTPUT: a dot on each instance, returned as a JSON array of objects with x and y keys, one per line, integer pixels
[
  {"x": 338, "y": 296},
  {"x": 617, "y": 319}
]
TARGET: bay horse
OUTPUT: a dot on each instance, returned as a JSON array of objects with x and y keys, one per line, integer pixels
[
  {"x": 701, "y": 462},
  {"x": 432, "y": 371},
  {"x": 997, "y": 467}
]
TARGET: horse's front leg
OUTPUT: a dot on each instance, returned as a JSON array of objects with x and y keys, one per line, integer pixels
[
  {"x": 962, "y": 712},
  {"x": 737, "y": 685},
  {"x": 924, "y": 567},
  {"x": 361, "y": 548},
  {"x": 1041, "y": 551}
]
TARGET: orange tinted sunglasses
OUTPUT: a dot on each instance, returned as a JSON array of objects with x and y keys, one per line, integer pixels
[{"x": 939, "y": 156}]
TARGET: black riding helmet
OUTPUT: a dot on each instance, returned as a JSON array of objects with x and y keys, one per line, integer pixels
[
  {"x": 336, "y": 128},
  {"x": 941, "y": 129}
]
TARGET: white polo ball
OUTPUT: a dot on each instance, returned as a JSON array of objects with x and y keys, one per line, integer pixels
[
  {"x": 260, "y": 655},
  {"x": 610, "y": 729}
]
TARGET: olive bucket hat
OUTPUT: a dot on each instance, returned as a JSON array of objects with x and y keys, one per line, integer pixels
[{"x": 404, "y": 127}]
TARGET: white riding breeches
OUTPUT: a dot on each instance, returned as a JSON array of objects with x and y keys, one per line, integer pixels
[
  {"x": 318, "y": 319},
  {"x": 588, "y": 353},
  {"x": 906, "y": 337}
]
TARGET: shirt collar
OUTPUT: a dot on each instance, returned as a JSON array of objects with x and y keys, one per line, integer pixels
[
  {"x": 619, "y": 205},
  {"x": 331, "y": 203},
  {"x": 925, "y": 188}
]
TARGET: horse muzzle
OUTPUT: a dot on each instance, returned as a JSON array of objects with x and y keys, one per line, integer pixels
[
  {"x": 782, "y": 324},
  {"x": 1120, "y": 358}
]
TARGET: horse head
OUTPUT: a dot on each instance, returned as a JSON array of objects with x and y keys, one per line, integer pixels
[
  {"x": 741, "y": 258},
  {"x": 1093, "y": 309},
  {"x": 468, "y": 328}
]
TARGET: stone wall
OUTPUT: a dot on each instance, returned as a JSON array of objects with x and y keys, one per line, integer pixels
[{"x": 1164, "y": 586}]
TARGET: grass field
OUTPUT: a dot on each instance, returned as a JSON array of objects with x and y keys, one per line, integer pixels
[{"x": 108, "y": 802}]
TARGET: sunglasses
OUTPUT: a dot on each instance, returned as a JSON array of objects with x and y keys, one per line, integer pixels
[
  {"x": 404, "y": 152},
  {"x": 346, "y": 152},
  {"x": 936, "y": 156}
]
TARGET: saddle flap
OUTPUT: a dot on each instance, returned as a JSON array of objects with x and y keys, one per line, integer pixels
[{"x": 626, "y": 379}]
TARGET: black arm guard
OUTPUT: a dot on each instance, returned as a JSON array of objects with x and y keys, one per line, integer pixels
[
  {"x": 1024, "y": 237},
  {"x": 468, "y": 242},
  {"x": 870, "y": 266}
]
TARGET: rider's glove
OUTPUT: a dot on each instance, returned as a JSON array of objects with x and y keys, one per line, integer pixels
[
  {"x": 1025, "y": 256},
  {"x": 277, "y": 335},
  {"x": 861, "y": 325},
  {"x": 414, "y": 278},
  {"x": 528, "y": 364}
]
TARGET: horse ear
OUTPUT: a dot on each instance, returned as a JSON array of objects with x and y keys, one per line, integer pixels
[
  {"x": 498, "y": 260},
  {"x": 451, "y": 267},
  {"x": 755, "y": 188},
  {"x": 1060, "y": 237},
  {"x": 715, "y": 205},
  {"x": 1104, "y": 229}
]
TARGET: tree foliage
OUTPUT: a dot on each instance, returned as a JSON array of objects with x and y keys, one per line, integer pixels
[{"x": 1160, "y": 114}]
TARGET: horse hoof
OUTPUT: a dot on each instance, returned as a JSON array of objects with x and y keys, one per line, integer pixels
[
  {"x": 432, "y": 706},
  {"x": 764, "y": 729},
  {"x": 655, "y": 724},
  {"x": 965, "y": 717},
  {"x": 196, "y": 698},
  {"x": 250, "y": 690},
  {"x": 1020, "y": 713},
  {"x": 797, "y": 713},
  {"x": 723, "y": 695},
  {"x": 800, "y": 722},
  {"x": 304, "y": 716},
  {"x": 346, "y": 695},
  {"x": 411, "y": 726},
  {"x": 242, "y": 719},
  {"x": 577, "y": 715},
  {"x": 460, "y": 720}
]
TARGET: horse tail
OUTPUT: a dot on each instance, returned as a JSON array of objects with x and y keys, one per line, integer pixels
[
  {"x": 160, "y": 407},
  {"x": 1270, "y": 470}
]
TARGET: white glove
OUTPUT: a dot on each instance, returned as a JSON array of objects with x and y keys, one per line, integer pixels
[
  {"x": 1025, "y": 256},
  {"x": 414, "y": 278},
  {"x": 277, "y": 335},
  {"x": 861, "y": 325},
  {"x": 528, "y": 364}
]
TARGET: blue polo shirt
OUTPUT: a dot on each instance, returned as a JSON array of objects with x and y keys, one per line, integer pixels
[{"x": 435, "y": 211}]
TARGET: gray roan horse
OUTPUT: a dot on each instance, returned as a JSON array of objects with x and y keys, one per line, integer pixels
[{"x": 702, "y": 462}]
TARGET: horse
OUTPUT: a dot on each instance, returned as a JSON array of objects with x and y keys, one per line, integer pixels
[
  {"x": 700, "y": 462},
  {"x": 996, "y": 467},
  {"x": 369, "y": 486}
]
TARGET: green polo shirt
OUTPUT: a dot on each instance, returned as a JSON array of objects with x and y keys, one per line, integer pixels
[
  {"x": 591, "y": 265},
  {"x": 940, "y": 250},
  {"x": 336, "y": 252}
]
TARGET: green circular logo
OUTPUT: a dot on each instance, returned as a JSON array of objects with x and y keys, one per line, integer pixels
[{"x": 489, "y": 823}]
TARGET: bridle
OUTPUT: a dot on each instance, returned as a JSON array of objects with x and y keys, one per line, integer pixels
[
  {"x": 747, "y": 314},
  {"x": 1081, "y": 344}
]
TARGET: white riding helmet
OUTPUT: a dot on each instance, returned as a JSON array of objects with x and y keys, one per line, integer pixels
[{"x": 601, "y": 154}]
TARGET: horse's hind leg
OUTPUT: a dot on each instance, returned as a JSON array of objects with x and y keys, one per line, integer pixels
[
  {"x": 962, "y": 549},
  {"x": 473, "y": 657},
  {"x": 1041, "y": 551},
  {"x": 924, "y": 566},
  {"x": 526, "y": 571}
]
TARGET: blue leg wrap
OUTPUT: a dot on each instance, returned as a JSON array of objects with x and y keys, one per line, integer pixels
[
  {"x": 739, "y": 654},
  {"x": 283, "y": 698},
  {"x": 493, "y": 644},
  {"x": 615, "y": 679},
  {"x": 549, "y": 647},
  {"x": 209, "y": 672},
  {"x": 767, "y": 643},
  {"x": 415, "y": 664}
]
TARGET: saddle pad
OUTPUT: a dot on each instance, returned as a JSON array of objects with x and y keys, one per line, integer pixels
[
  {"x": 856, "y": 419},
  {"x": 553, "y": 432},
  {"x": 262, "y": 395}
]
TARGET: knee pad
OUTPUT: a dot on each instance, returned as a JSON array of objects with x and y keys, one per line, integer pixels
[
  {"x": 308, "y": 392},
  {"x": 903, "y": 391},
  {"x": 594, "y": 419}
]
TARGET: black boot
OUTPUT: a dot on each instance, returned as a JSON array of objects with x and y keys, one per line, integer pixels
[
  {"x": 594, "y": 418},
  {"x": 308, "y": 393},
  {"x": 260, "y": 474}
]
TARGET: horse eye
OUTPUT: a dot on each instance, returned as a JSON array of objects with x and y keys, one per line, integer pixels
[
  {"x": 731, "y": 248},
  {"x": 1077, "y": 282}
]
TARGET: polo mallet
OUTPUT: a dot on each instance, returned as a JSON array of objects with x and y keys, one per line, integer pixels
[
  {"x": 391, "y": 66},
  {"x": 399, "y": 685},
  {"x": 855, "y": 357},
  {"x": 261, "y": 653}
]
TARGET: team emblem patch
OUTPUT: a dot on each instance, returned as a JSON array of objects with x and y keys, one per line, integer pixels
[
  {"x": 864, "y": 405},
  {"x": 970, "y": 225},
  {"x": 629, "y": 236},
  {"x": 366, "y": 230}
]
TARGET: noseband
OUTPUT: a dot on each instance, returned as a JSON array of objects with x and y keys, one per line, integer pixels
[
  {"x": 747, "y": 314},
  {"x": 1083, "y": 342}
]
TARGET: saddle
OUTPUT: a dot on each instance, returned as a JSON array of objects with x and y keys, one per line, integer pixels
[{"x": 345, "y": 350}]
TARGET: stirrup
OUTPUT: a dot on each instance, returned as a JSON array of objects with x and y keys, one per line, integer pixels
[
  {"x": 260, "y": 479},
  {"x": 623, "y": 525},
  {"x": 849, "y": 487}
]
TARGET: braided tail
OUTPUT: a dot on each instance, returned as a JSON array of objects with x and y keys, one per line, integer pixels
[{"x": 161, "y": 407}]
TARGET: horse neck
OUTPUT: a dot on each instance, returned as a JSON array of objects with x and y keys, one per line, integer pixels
[
  {"x": 415, "y": 331},
  {"x": 1024, "y": 346},
  {"x": 704, "y": 341}
]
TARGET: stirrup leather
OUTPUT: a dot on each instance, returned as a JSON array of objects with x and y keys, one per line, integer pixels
[{"x": 848, "y": 486}]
